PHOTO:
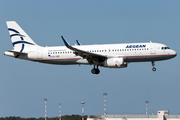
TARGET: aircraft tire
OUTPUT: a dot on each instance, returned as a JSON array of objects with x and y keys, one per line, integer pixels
[
  {"x": 97, "y": 71},
  {"x": 93, "y": 71},
  {"x": 154, "y": 69}
]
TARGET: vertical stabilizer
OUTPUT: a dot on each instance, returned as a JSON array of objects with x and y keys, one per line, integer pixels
[{"x": 18, "y": 36}]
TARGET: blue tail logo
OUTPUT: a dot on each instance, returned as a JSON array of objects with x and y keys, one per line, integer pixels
[{"x": 21, "y": 37}]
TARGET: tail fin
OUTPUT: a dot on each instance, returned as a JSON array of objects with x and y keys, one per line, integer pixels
[{"x": 19, "y": 38}]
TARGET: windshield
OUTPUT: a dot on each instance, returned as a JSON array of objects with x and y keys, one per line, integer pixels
[{"x": 164, "y": 48}]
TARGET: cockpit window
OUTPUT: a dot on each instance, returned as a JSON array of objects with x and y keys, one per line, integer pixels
[{"x": 164, "y": 48}]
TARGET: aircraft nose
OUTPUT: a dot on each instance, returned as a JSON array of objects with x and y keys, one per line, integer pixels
[{"x": 174, "y": 53}]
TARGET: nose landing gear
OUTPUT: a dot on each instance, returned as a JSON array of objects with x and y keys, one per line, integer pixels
[
  {"x": 153, "y": 69},
  {"x": 95, "y": 70}
]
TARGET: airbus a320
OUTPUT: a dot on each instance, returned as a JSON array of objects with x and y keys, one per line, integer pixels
[{"x": 105, "y": 55}]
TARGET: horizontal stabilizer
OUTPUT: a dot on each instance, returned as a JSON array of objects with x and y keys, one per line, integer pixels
[{"x": 14, "y": 53}]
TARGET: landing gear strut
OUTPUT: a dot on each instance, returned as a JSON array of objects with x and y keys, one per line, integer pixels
[
  {"x": 95, "y": 70},
  {"x": 153, "y": 69}
]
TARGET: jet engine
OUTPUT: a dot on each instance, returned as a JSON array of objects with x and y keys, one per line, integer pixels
[{"x": 114, "y": 63}]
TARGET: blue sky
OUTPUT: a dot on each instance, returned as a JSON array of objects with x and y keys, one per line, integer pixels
[{"x": 25, "y": 84}]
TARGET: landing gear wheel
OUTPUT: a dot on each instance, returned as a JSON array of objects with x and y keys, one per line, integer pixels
[
  {"x": 154, "y": 69},
  {"x": 93, "y": 71},
  {"x": 97, "y": 71}
]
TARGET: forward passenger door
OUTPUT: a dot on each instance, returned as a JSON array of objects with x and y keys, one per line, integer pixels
[{"x": 152, "y": 49}]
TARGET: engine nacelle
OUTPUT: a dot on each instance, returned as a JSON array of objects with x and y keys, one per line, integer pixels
[{"x": 114, "y": 63}]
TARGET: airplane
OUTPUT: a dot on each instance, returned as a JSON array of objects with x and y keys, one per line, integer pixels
[{"x": 105, "y": 55}]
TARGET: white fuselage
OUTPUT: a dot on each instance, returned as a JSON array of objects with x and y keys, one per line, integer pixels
[
  {"x": 107, "y": 55},
  {"x": 133, "y": 52}
]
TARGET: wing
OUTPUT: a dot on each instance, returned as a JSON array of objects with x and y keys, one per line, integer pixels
[{"x": 91, "y": 57}]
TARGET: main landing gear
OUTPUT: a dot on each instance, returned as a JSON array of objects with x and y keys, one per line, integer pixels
[
  {"x": 153, "y": 69},
  {"x": 95, "y": 70}
]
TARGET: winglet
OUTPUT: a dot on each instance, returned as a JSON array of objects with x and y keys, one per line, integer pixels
[
  {"x": 78, "y": 42},
  {"x": 65, "y": 41}
]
